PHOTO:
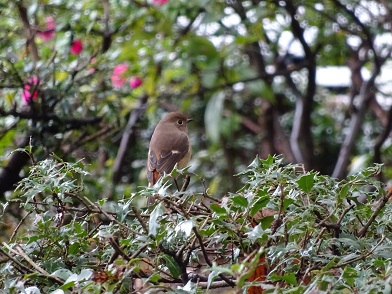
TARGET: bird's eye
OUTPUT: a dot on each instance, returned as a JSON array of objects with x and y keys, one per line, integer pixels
[{"x": 180, "y": 122}]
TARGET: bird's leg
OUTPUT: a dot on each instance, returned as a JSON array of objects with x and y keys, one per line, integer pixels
[
  {"x": 185, "y": 185},
  {"x": 175, "y": 181}
]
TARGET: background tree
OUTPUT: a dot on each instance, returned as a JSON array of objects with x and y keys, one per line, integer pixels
[
  {"x": 244, "y": 70},
  {"x": 88, "y": 80},
  {"x": 231, "y": 65}
]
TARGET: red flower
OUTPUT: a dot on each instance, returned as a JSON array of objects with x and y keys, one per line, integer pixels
[
  {"x": 50, "y": 29},
  {"x": 118, "y": 77},
  {"x": 135, "y": 82},
  {"x": 76, "y": 47},
  {"x": 30, "y": 92},
  {"x": 159, "y": 2}
]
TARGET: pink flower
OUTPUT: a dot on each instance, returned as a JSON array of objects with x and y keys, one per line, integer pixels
[
  {"x": 159, "y": 2},
  {"x": 118, "y": 77},
  {"x": 29, "y": 87},
  {"x": 49, "y": 31},
  {"x": 135, "y": 82},
  {"x": 76, "y": 47},
  {"x": 120, "y": 69},
  {"x": 92, "y": 61}
]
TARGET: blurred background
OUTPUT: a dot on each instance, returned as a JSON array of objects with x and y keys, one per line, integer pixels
[{"x": 89, "y": 80}]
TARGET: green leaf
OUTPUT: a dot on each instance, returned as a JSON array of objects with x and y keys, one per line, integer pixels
[
  {"x": 218, "y": 209},
  {"x": 344, "y": 191},
  {"x": 288, "y": 278},
  {"x": 211, "y": 278},
  {"x": 287, "y": 202},
  {"x": 202, "y": 51},
  {"x": 72, "y": 278},
  {"x": 70, "y": 282},
  {"x": 349, "y": 275},
  {"x": 240, "y": 200},
  {"x": 259, "y": 88},
  {"x": 330, "y": 264},
  {"x": 216, "y": 271},
  {"x": 261, "y": 203},
  {"x": 209, "y": 78},
  {"x": 154, "y": 278},
  {"x": 74, "y": 248},
  {"x": 268, "y": 161},
  {"x": 306, "y": 182},
  {"x": 267, "y": 221},
  {"x": 256, "y": 233},
  {"x": 348, "y": 258},
  {"x": 172, "y": 265},
  {"x": 67, "y": 285},
  {"x": 63, "y": 274}
]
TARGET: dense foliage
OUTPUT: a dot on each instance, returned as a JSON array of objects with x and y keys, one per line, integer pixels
[
  {"x": 86, "y": 81},
  {"x": 316, "y": 234}
]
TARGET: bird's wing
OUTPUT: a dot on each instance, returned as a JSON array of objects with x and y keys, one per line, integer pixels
[{"x": 167, "y": 159}]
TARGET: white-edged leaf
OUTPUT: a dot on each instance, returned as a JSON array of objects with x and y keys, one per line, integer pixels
[
  {"x": 85, "y": 274},
  {"x": 153, "y": 224},
  {"x": 32, "y": 290},
  {"x": 63, "y": 273},
  {"x": 185, "y": 227}
]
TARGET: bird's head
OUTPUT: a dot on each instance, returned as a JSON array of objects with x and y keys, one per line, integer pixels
[{"x": 176, "y": 119}]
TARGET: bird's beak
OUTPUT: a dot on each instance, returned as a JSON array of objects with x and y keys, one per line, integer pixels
[{"x": 188, "y": 120}]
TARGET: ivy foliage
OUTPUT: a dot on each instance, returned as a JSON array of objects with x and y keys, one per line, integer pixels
[{"x": 311, "y": 232}]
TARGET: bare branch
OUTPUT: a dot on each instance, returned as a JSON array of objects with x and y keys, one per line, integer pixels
[
  {"x": 128, "y": 137},
  {"x": 29, "y": 34},
  {"x": 376, "y": 212}
]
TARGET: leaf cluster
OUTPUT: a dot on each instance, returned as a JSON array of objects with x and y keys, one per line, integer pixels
[{"x": 309, "y": 232}]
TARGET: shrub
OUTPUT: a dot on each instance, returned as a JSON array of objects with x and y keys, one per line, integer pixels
[{"x": 305, "y": 231}]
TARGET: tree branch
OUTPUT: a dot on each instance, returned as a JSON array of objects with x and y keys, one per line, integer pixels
[
  {"x": 380, "y": 206},
  {"x": 71, "y": 122},
  {"x": 107, "y": 33},
  {"x": 366, "y": 93},
  {"x": 9, "y": 174},
  {"x": 30, "y": 43},
  {"x": 128, "y": 137},
  {"x": 301, "y": 136},
  {"x": 382, "y": 138}
]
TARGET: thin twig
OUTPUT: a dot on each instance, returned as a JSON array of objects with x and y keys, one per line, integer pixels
[
  {"x": 21, "y": 267},
  {"x": 361, "y": 257},
  {"x": 140, "y": 219},
  {"x": 180, "y": 262},
  {"x": 110, "y": 217},
  {"x": 30, "y": 42},
  {"x": 18, "y": 226},
  {"x": 203, "y": 250},
  {"x": 114, "y": 243},
  {"x": 19, "y": 251},
  {"x": 137, "y": 252},
  {"x": 185, "y": 185},
  {"x": 380, "y": 206}
]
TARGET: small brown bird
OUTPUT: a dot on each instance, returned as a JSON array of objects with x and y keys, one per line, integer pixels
[{"x": 169, "y": 146}]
